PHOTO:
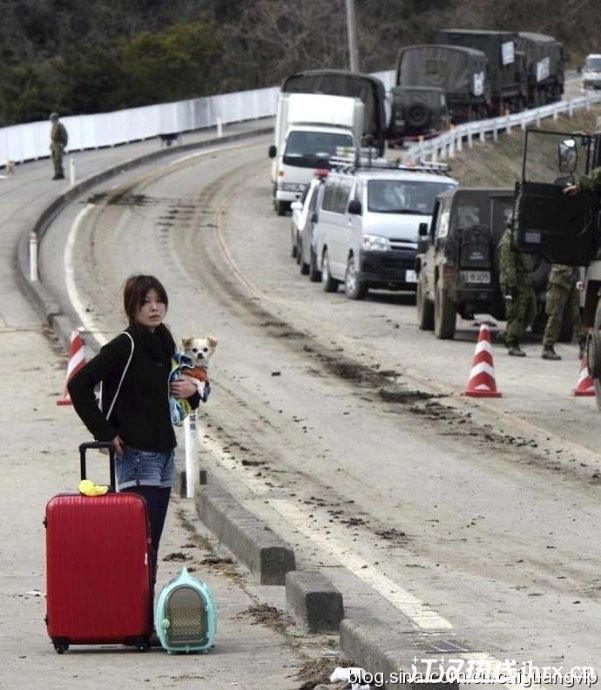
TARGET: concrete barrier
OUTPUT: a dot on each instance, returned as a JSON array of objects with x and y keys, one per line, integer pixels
[{"x": 248, "y": 538}]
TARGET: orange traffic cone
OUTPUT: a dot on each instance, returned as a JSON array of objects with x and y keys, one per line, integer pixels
[
  {"x": 76, "y": 362},
  {"x": 481, "y": 383},
  {"x": 585, "y": 385}
]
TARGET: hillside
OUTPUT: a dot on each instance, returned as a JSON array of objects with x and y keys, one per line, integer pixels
[{"x": 498, "y": 164}]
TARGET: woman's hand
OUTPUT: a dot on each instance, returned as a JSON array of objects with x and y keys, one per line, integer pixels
[
  {"x": 182, "y": 388},
  {"x": 570, "y": 189},
  {"x": 118, "y": 443}
]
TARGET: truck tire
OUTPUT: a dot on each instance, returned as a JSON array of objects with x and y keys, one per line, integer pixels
[
  {"x": 328, "y": 283},
  {"x": 445, "y": 316},
  {"x": 303, "y": 265},
  {"x": 417, "y": 114},
  {"x": 281, "y": 207},
  {"x": 425, "y": 308},
  {"x": 314, "y": 272},
  {"x": 353, "y": 287}
]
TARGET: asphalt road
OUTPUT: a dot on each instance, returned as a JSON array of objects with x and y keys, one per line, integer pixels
[{"x": 344, "y": 426}]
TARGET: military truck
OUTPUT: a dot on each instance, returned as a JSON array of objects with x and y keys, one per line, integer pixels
[
  {"x": 436, "y": 85},
  {"x": 564, "y": 229},
  {"x": 417, "y": 111},
  {"x": 334, "y": 82},
  {"x": 545, "y": 66},
  {"x": 506, "y": 64},
  {"x": 457, "y": 262}
]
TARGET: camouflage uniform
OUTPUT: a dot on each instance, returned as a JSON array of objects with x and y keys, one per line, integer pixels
[
  {"x": 58, "y": 141},
  {"x": 517, "y": 286},
  {"x": 561, "y": 292},
  {"x": 591, "y": 182}
]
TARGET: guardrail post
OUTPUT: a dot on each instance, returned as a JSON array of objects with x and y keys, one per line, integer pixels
[
  {"x": 507, "y": 122},
  {"x": 481, "y": 135},
  {"x": 191, "y": 450},
  {"x": 470, "y": 141},
  {"x": 570, "y": 108},
  {"x": 219, "y": 127},
  {"x": 33, "y": 256},
  {"x": 71, "y": 171},
  {"x": 460, "y": 141}
]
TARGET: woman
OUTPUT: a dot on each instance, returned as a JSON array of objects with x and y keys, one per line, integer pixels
[{"x": 134, "y": 408}]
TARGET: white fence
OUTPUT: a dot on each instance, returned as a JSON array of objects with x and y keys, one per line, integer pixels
[{"x": 21, "y": 143}]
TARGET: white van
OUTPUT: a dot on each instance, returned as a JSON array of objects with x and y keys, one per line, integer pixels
[
  {"x": 368, "y": 228},
  {"x": 591, "y": 72}
]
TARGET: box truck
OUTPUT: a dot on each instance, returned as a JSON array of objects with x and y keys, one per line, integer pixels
[{"x": 309, "y": 129}]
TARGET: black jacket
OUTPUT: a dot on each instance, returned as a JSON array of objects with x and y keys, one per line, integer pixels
[{"x": 141, "y": 415}]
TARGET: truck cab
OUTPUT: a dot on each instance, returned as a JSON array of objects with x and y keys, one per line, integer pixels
[{"x": 309, "y": 129}]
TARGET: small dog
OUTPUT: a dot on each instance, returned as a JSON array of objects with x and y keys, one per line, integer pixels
[
  {"x": 9, "y": 168},
  {"x": 200, "y": 351}
]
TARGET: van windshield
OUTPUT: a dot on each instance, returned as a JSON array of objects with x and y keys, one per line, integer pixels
[
  {"x": 401, "y": 196},
  {"x": 308, "y": 149},
  {"x": 593, "y": 63}
]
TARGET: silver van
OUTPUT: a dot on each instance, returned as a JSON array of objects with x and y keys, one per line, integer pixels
[{"x": 368, "y": 226}]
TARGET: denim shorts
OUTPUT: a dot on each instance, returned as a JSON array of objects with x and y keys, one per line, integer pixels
[{"x": 145, "y": 468}]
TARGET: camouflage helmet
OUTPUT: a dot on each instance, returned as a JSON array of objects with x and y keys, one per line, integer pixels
[{"x": 54, "y": 116}]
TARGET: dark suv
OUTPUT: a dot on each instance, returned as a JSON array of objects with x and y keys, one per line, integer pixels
[{"x": 457, "y": 261}]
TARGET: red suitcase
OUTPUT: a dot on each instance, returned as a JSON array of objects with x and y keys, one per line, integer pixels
[{"x": 98, "y": 567}]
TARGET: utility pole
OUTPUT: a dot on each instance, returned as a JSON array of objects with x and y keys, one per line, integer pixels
[{"x": 352, "y": 36}]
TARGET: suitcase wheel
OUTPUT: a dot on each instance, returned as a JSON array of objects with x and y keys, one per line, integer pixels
[{"x": 61, "y": 646}]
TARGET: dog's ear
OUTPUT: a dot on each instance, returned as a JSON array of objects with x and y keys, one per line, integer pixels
[
  {"x": 186, "y": 342},
  {"x": 212, "y": 342}
]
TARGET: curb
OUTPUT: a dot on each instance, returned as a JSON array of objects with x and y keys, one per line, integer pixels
[
  {"x": 246, "y": 536},
  {"x": 373, "y": 644}
]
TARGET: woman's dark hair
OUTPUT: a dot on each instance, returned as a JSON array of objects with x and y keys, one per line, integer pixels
[{"x": 134, "y": 293}]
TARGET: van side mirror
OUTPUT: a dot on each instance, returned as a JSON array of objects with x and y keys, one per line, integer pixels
[
  {"x": 354, "y": 207},
  {"x": 314, "y": 217},
  {"x": 423, "y": 229},
  {"x": 272, "y": 151}
]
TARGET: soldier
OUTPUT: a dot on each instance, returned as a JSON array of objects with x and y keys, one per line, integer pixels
[
  {"x": 563, "y": 289},
  {"x": 58, "y": 143},
  {"x": 590, "y": 182},
  {"x": 517, "y": 286}
]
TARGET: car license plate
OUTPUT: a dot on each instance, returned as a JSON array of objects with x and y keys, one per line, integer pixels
[
  {"x": 477, "y": 277},
  {"x": 410, "y": 277}
]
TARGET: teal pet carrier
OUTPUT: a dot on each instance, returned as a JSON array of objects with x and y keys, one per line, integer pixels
[{"x": 185, "y": 617}]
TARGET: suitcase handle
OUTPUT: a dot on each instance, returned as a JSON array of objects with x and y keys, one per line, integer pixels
[{"x": 98, "y": 445}]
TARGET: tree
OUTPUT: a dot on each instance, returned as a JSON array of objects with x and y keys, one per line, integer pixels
[{"x": 171, "y": 65}]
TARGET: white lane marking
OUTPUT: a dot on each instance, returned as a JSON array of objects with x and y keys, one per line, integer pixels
[
  {"x": 419, "y": 613},
  {"x": 85, "y": 319}
]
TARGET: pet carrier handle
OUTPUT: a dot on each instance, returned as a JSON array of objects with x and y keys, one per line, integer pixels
[{"x": 102, "y": 445}]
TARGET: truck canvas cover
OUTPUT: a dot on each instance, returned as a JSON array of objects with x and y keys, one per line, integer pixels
[
  {"x": 343, "y": 83},
  {"x": 544, "y": 56},
  {"x": 499, "y": 47},
  {"x": 451, "y": 68}
]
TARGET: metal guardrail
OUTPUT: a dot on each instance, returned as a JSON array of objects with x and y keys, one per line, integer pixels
[{"x": 445, "y": 145}]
